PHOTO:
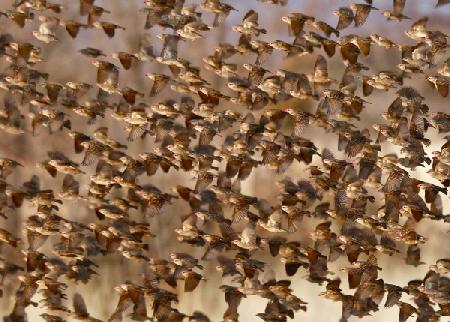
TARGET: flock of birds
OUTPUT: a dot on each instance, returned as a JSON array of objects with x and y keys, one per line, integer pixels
[{"x": 218, "y": 139}]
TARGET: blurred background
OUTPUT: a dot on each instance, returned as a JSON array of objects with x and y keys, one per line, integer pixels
[{"x": 64, "y": 63}]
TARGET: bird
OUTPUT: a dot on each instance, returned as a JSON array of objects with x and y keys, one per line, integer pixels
[
  {"x": 346, "y": 17},
  {"x": 397, "y": 11},
  {"x": 248, "y": 147},
  {"x": 107, "y": 75},
  {"x": 362, "y": 12}
]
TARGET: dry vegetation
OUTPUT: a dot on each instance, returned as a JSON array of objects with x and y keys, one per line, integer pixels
[{"x": 172, "y": 160}]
